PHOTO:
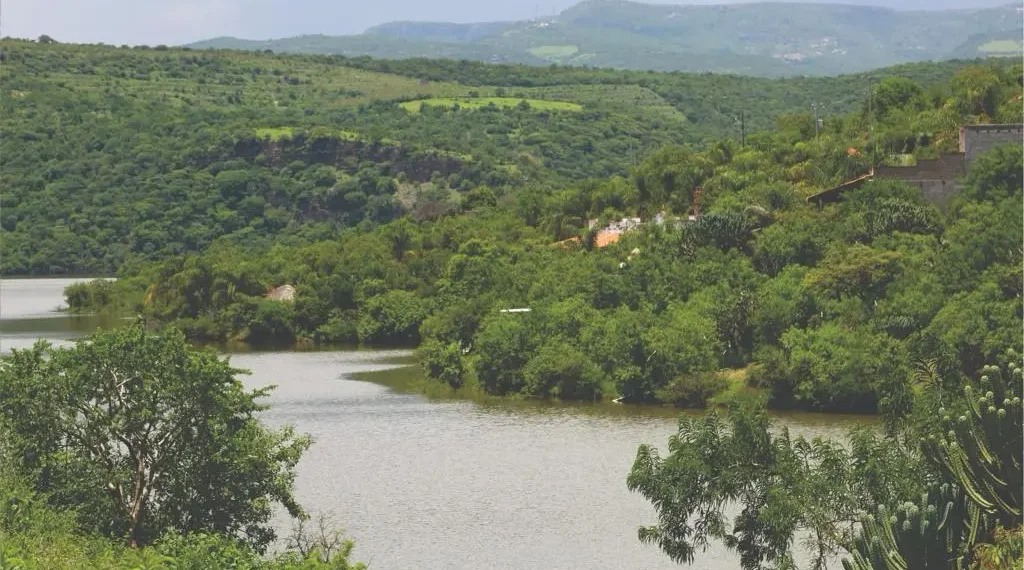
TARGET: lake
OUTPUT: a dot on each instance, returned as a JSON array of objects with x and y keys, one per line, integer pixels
[{"x": 424, "y": 483}]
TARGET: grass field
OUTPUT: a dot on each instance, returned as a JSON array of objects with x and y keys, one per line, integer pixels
[
  {"x": 1000, "y": 46},
  {"x": 278, "y": 133},
  {"x": 554, "y": 52},
  {"x": 229, "y": 79},
  {"x": 501, "y": 102},
  {"x": 628, "y": 99}
]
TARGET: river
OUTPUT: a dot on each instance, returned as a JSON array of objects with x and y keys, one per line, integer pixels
[{"x": 424, "y": 483}]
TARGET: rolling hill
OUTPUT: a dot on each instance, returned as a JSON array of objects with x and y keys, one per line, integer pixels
[{"x": 766, "y": 39}]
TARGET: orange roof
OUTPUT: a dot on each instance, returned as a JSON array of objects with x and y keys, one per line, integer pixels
[{"x": 606, "y": 238}]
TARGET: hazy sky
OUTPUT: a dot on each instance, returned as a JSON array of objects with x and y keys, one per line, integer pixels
[{"x": 171, "y": 22}]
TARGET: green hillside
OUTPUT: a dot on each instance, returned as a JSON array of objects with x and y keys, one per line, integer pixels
[
  {"x": 116, "y": 155},
  {"x": 766, "y": 39}
]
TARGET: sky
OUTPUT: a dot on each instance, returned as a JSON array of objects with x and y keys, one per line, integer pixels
[{"x": 174, "y": 22}]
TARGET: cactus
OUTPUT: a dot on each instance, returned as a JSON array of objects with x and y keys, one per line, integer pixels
[
  {"x": 981, "y": 448},
  {"x": 978, "y": 460},
  {"x": 933, "y": 533}
]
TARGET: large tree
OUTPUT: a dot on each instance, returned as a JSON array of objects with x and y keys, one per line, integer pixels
[{"x": 143, "y": 433}]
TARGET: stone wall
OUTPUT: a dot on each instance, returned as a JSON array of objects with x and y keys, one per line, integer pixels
[
  {"x": 938, "y": 179},
  {"x": 946, "y": 167},
  {"x": 976, "y": 140}
]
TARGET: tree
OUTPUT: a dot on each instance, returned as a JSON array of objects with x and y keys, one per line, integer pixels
[
  {"x": 503, "y": 347},
  {"x": 683, "y": 341},
  {"x": 832, "y": 367},
  {"x": 144, "y": 433},
  {"x": 856, "y": 270},
  {"x": 778, "y": 486},
  {"x": 894, "y": 93},
  {"x": 561, "y": 370},
  {"x": 394, "y": 316},
  {"x": 976, "y": 91},
  {"x": 996, "y": 175},
  {"x": 442, "y": 361}
]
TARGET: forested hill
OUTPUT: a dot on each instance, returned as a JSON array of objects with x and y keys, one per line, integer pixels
[
  {"x": 121, "y": 155},
  {"x": 817, "y": 306},
  {"x": 766, "y": 39}
]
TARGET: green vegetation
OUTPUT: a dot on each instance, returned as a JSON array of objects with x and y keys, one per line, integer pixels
[
  {"x": 133, "y": 450},
  {"x": 278, "y": 134},
  {"x": 554, "y": 52},
  {"x": 116, "y": 157},
  {"x": 499, "y": 102},
  {"x": 1000, "y": 46},
  {"x": 827, "y": 308},
  {"x": 752, "y": 39},
  {"x": 208, "y": 179},
  {"x": 940, "y": 489}
]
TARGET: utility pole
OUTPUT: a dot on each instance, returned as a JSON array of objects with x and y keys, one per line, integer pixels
[
  {"x": 817, "y": 124},
  {"x": 871, "y": 127},
  {"x": 743, "y": 131}
]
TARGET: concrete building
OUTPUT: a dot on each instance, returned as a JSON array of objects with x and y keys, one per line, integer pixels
[{"x": 942, "y": 177}]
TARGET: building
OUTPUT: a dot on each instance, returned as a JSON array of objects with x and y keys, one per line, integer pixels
[{"x": 941, "y": 177}]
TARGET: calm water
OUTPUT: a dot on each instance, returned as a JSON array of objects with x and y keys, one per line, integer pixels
[
  {"x": 431, "y": 484},
  {"x": 29, "y": 310}
]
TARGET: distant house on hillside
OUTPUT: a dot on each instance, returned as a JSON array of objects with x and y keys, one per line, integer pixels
[
  {"x": 937, "y": 178},
  {"x": 614, "y": 231}
]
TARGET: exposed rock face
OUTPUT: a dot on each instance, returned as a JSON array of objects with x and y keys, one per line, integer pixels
[{"x": 282, "y": 293}]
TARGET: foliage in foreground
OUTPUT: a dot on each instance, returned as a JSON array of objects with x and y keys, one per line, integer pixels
[
  {"x": 142, "y": 433},
  {"x": 939, "y": 490},
  {"x": 134, "y": 450}
]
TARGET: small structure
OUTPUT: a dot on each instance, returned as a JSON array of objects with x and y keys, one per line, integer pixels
[
  {"x": 613, "y": 232},
  {"x": 282, "y": 293},
  {"x": 938, "y": 178}
]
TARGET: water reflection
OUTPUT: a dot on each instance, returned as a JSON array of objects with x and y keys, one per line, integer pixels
[{"x": 30, "y": 309}]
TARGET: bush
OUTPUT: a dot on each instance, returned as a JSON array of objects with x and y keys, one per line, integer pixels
[
  {"x": 339, "y": 329},
  {"x": 693, "y": 390},
  {"x": 272, "y": 323},
  {"x": 562, "y": 371},
  {"x": 95, "y": 295},
  {"x": 442, "y": 362},
  {"x": 393, "y": 317}
]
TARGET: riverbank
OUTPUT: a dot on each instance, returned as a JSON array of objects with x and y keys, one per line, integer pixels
[{"x": 437, "y": 478}]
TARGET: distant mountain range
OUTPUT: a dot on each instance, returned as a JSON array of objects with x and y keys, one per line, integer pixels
[{"x": 768, "y": 39}]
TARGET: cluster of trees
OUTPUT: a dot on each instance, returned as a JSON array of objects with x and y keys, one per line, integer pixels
[
  {"x": 940, "y": 488},
  {"x": 822, "y": 307},
  {"x": 134, "y": 450},
  {"x": 119, "y": 156},
  {"x": 713, "y": 103}
]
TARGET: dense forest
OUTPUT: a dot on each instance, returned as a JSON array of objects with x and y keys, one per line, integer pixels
[
  {"x": 818, "y": 307},
  {"x": 115, "y": 156}
]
